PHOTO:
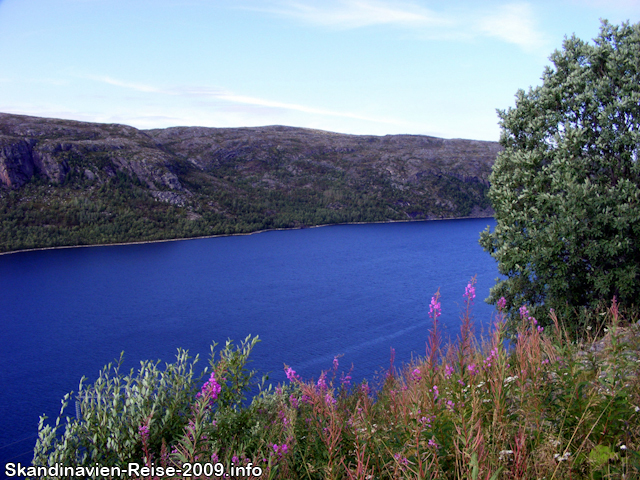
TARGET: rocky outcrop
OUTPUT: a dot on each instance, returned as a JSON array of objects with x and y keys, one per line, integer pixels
[
  {"x": 16, "y": 161},
  {"x": 415, "y": 174},
  {"x": 404, "y": 158},
  {"x": 55, "y": 148}
]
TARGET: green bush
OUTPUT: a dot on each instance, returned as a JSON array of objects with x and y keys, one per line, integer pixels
[{"x": 566, "y": 187}]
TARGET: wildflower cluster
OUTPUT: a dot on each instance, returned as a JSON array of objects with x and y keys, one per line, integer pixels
[
  {"x": 211, "y": 389},
  {"x": 434, "y": 308},
  {"x": 474, "y": 409},
  {"x": 469, "y": 292}
]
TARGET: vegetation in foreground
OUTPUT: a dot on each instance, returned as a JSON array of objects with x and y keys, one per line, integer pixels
[{"x": 545, "y": 407}]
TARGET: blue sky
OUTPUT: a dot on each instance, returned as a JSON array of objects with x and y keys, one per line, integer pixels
[{"x": 353, "y": 66}]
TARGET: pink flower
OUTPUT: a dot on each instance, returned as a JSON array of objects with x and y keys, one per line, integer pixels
[
  {"x": 211, "y": 388},
  {"x": 335, "y": 364},
  {"x": 291, "y": 374},
  {"x": 435, "y": 392},
  {"x": 365, "y": 388},
  {"x": 401, "y": 459},
  {"x": 329, "y": 400},
  {"x": 472, "y": 369},
  {"x": 448, "y": 371},
  {"x": 470, "y": 292},
  {"x": 280, "y": 449},
  {"x": 492, "y": 355},
  {"x": 322, "y": 383},
  {"x": 434, "y": 309},
  {"x": 417, "y": 375},
  {"x": 283, "y": 418},
  {"x": 502, "y": 303},
  {"x": 524, "y": 313},
  {"x": 293, "y": 401},
  {"x": 144, "y": 433}
]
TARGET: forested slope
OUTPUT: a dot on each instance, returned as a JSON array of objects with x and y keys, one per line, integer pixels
[{"x": 65, "y": 182}]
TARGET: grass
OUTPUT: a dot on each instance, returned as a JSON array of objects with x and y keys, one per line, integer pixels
[{"x": 549, "y": 407}]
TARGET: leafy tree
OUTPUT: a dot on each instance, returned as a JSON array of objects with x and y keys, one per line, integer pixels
[{"x": 565, "y": 188}]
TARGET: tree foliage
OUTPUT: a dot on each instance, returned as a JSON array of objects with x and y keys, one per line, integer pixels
[{"x": 565, "y": 188}]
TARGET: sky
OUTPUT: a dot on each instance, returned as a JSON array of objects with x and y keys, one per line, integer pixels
[{"x": 373, "y": 67}]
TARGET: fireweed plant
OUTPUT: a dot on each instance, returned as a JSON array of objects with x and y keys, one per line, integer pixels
[{"x": 547, "y": 407}]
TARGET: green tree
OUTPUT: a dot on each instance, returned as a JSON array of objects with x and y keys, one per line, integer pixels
[{"x": 565, "y": 188}]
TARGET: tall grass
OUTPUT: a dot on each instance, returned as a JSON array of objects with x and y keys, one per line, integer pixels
[{"x": 547, "y": 407}]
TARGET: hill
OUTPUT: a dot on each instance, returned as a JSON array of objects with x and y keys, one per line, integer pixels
[{"x": 66, "y": 182}]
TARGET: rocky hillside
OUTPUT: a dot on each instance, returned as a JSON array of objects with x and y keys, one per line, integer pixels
[{"x": 66, "y": 183}]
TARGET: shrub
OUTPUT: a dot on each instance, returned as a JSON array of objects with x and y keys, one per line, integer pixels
[{"x": 566, "y": 188}]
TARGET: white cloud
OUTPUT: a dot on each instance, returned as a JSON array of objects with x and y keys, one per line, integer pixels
[
  {"x": 357, "y": 13},
  {"x": 621, "y": 4},
  {"x": 510, "y": 22},
  {"x": 513, "y": 23},
  {"x": 139, "y": 87},
  {"x": 215, "y": 94}
]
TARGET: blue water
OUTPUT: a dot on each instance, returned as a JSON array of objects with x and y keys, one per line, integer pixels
[{"x": 310, "y": 294}]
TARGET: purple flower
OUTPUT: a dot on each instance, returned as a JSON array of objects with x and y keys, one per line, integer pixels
[
  {"x": 524, "y": 313},
  {"x": 493, "y": 354},
  {"x": 435, "y": 392},
  {"x": 322, "y": 383},
  {"x": 235, "y": 459},
  {"x": 402, "y": 460},
  {"x": 294, "y": 401},
  {"x": 144, "y": 433},
  {"x": 291, "y": 374},
  {"x": 280, "y": 449},
  {"x": 211, "y": 388},
  {"x": 448, "y": 371},
  {"x": 335, "y": 364},
  {"x": 434, "y": 309},
  {"x": 502, "y": 303},
  {"x": 472, "y": 369},
  {"x": 470, "y": 292},
  {"x": 416, "y": 374},
  {"x": 345, "y": 380},
  {"x": 365, "y": 388},
  {"x": 432, "y": 443},
  {"x": 329, "y": 400},
  {"x": 283, "y": 418}
]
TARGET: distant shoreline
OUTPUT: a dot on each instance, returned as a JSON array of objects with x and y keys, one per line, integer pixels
[{"x": 236, "y": 234}]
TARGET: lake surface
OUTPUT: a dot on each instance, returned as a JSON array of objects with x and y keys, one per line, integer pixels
[{"x": 310, "y": 294}]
